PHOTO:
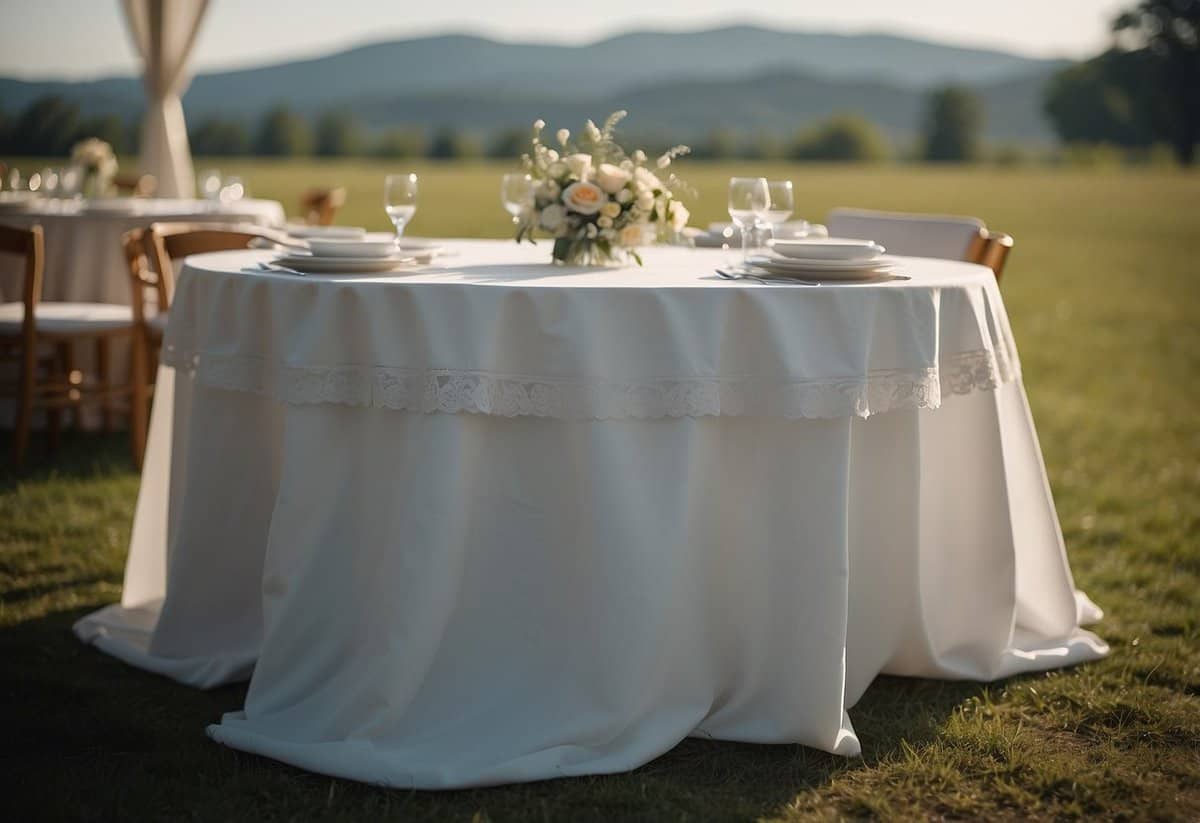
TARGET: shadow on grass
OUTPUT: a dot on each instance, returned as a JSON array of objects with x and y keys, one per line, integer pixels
[
  {"x": 90, "y": 738},
  {"x": 79, "y": 456}
]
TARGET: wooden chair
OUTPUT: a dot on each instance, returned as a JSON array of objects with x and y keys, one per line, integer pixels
[
  {"x": 151, "y": 253},
  {"x": 30, "y": 328},
  {"x": 996, "y": 251},
  {"x": 319, "y": 206},
  {"x": 138, "y": 185}
]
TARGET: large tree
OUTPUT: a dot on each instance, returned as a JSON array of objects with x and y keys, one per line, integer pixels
[
  {"x": 1145, "y": 89},
  {"x": 1169, "y": 31},
  {"x": 283, "y": 134},
  {"x": 953, "y": 124}
]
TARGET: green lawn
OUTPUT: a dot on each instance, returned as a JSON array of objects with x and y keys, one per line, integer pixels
[{"x": 1104, "y": 293}]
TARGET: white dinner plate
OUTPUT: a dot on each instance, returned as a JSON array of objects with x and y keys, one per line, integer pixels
[
  {"x": 818, "y": 264},
  {"x": 342, "y": 265},
  {"x": 822, "y": 269},
  {"x": 327, "y": 232},
  {"x": 353, "y": 247},
  {"x": 828, "y": 248}
]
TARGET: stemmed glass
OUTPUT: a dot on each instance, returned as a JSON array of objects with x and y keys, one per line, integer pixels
[
  {"x": 782, "y": 205},
  {"x": 400, "y": 200},
  {"x": 210, "y": 184},
  {"x": 749, "y": 200},
  {"x": 516, "y": 193}
]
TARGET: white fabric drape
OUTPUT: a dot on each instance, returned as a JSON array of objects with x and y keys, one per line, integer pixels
[{"x": 164, "y": 34}]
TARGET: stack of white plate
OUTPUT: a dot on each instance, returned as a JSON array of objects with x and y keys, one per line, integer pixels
[
  {"x": 358, "y": 254},
  {"x": 829, "y": 258}
]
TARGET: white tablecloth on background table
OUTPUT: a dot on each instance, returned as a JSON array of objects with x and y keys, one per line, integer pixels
[
  {"x": 84, "y": 261},
  {"x": 499, "y": 521}
]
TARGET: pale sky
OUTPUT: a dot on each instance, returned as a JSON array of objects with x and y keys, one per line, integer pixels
[{"x": 86, "y": 38}]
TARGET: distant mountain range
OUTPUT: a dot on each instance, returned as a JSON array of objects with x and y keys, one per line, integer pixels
[{"x": 683, "y": 84}]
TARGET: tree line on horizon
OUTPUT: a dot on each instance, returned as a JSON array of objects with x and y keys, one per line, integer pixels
[
  {"x": 49, "y": 126},
  {"x": 1142, "y": 93}
]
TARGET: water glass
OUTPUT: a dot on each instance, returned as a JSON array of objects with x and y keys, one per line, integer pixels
[
  {"x": 749, "y": 201},
  {"x": 783, "y": 203},
  {"x": 400, "y": 199},
  {"x": 516, "y": 193}
]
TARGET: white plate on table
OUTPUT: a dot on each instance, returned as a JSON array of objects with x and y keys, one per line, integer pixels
[
  {"x": 326, "y": 232},
  {"x": 353, "y": 247},
  {"x": 828, "y": 248},
  {"x": 823, "y": 269},
  {"x": 311, "y": 264}
]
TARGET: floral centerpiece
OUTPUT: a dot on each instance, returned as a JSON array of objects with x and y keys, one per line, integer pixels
[
  {"x": 597, "y": 202},
  {"x": 97, "y": 166}
]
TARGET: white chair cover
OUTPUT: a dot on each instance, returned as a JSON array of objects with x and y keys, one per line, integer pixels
[{"x": 914, "y": 235}]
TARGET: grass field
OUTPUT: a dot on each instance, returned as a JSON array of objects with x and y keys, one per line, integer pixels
[{"x": 1104, "y": 293}]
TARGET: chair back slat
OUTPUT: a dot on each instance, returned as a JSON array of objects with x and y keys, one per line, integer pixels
[
  {"x": 167, "y": 242},
  {"x": 27, "y": 243},
  {"x": 915, "y": 235},
  {"x": 320, "y": 206},
  {"x": 995, "y": 252}
]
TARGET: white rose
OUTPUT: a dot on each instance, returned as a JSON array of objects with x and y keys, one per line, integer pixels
[
  {"x": 624, "y": 196},
  {"x": 604, "y": 221},
  {"x": 611, "y": 178},
  {"x": 584, "y": 197},
  {"x": 632, "y": 235},
  {"x": 679, "y": 216},
  {"x": 610, "y": 209},
  {"x": 580, "y": 165},
  {"x": 553, "y": 216}
]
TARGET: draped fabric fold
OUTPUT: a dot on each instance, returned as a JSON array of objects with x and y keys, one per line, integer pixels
[{"x": 164, "y": 35}]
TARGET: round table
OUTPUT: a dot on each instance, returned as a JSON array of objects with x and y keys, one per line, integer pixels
[
  {"x": 84, "y": 261},
  {"x": 494, "y": 521}
]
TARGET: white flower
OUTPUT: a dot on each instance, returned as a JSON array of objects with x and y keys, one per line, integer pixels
[
  {"x": 553, "y": 216},
  {"x": 551, "y": 155},
  {"x": 645, "y": 200},
  {"x": 539, "y": 124},
  {"x": 549, "y": 190},
  {"x": 580, "y": 165},
  {"x": 557, "y": 169},
  {"x": 624, "y": 196},
  {"x": 584, "y": 197},
  {"x": 610, "y": 209},
  {"x": 632, "y": 235},
  {"x": 604, "y": 221},
  {"x": 612, "y": 178},
  {"x": 563, "y": 136},
  {"x": 638, "y": 156},
  {"x": 591, "y": 231},
  {"x": 679, "y": 216},
  {"x": 647, "y": 179}
]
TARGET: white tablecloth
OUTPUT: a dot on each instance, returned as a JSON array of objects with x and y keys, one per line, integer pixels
[{"x": 498, "y": 521}]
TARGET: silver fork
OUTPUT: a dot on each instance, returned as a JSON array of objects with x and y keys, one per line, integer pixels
[
  {"x": 274, "y": 268},
  {"x": 726, "y": 274}
]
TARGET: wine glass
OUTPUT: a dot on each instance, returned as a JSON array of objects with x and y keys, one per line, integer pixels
[
  {"x": 400, "y": 199},
  {"x": 749, "y": 199},
  {"x": 516, "y": 193},
  {"x": 782, "y": 205}
]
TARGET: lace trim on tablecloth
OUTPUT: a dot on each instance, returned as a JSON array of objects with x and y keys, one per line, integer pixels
[{"x": 453, "y": 391}]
